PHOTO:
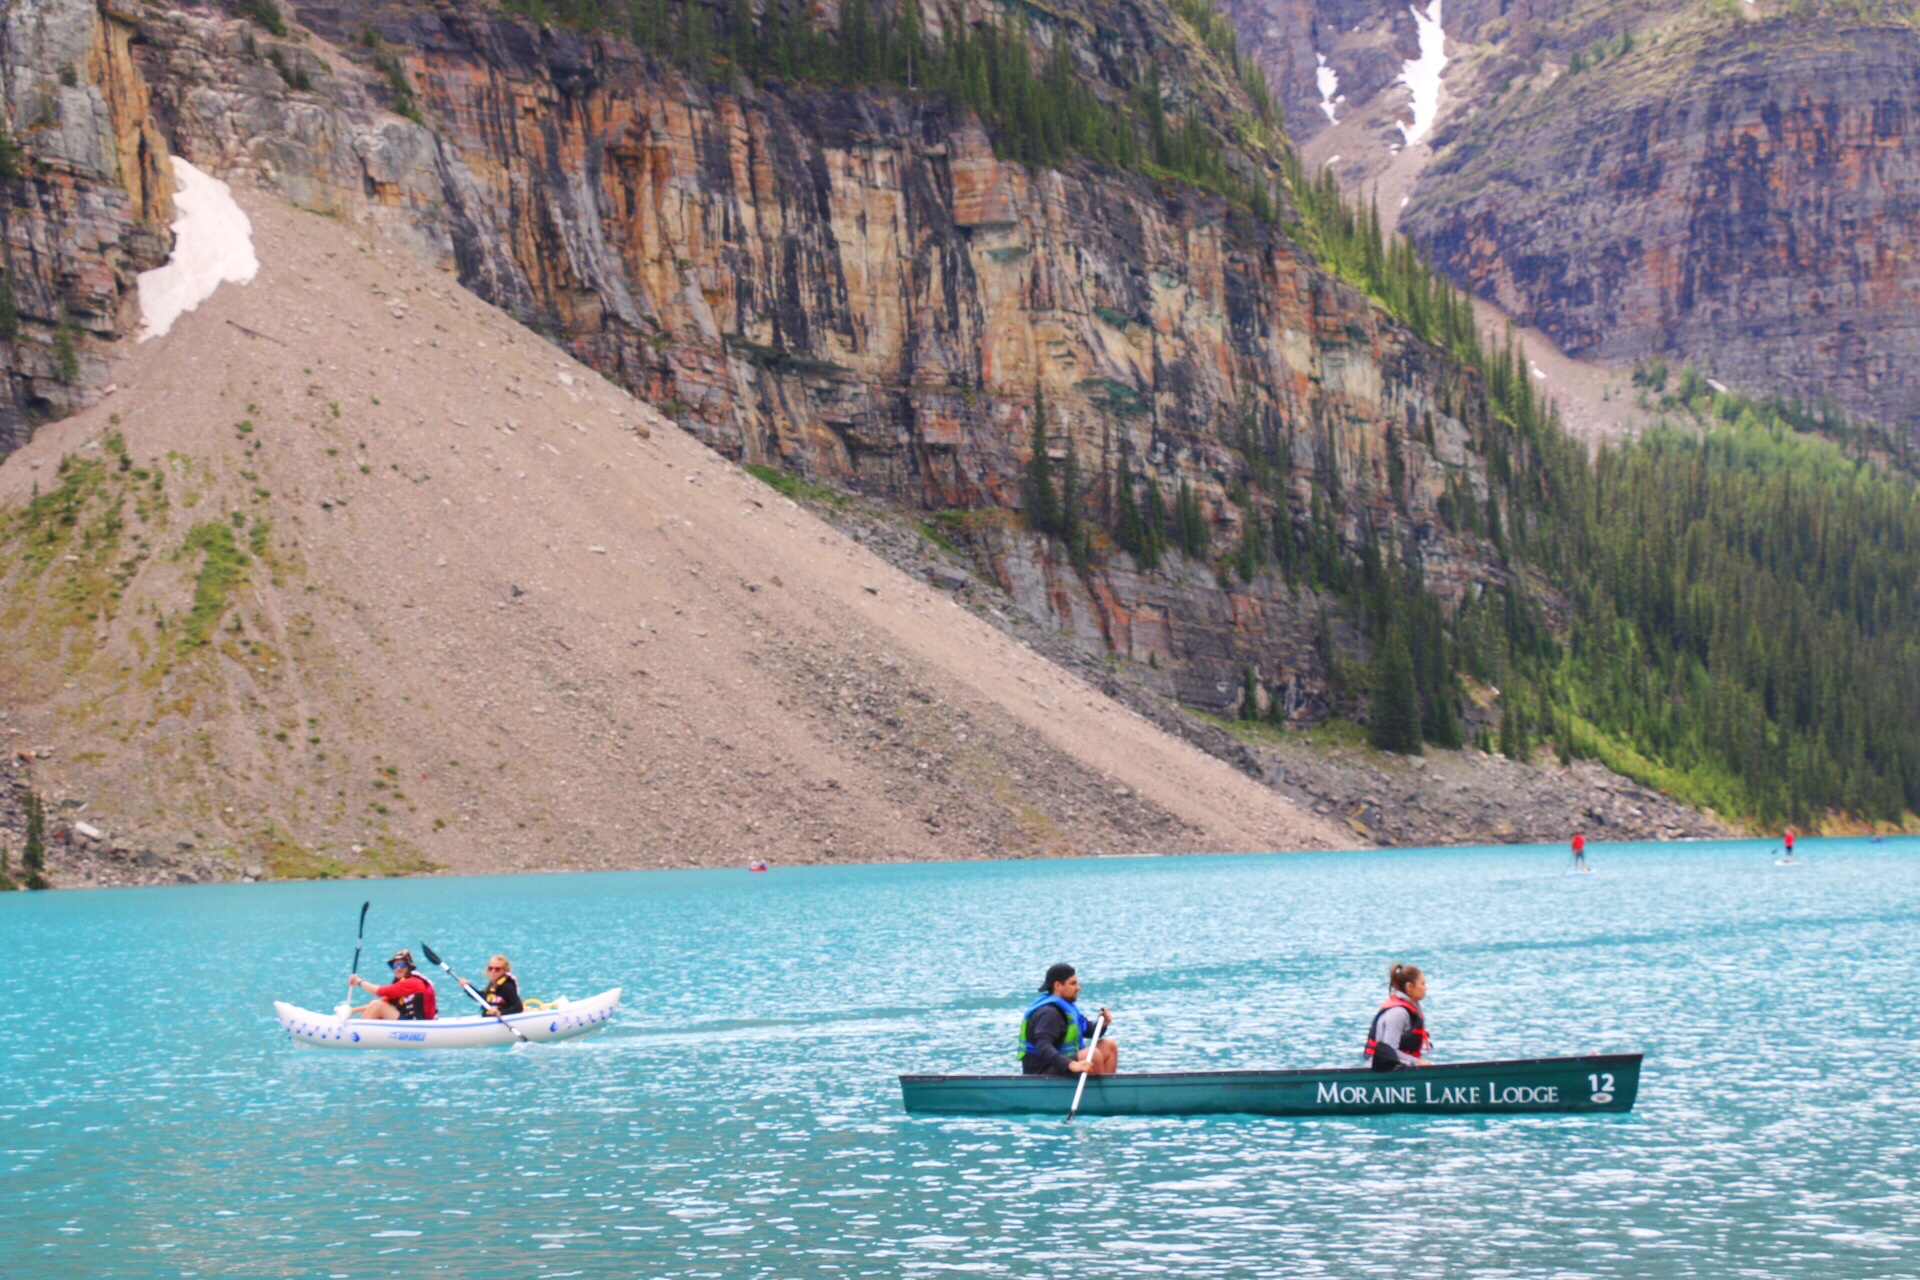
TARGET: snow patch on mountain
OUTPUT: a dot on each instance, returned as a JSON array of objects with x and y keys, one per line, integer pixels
[{"x": 1421, "y": 75}]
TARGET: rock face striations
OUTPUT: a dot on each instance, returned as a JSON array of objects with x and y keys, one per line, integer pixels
[
  {"x": 853, "y": 285},
  {"x": 85, "y": 198},
  {"x": 1730, "y": 185},
  {"x": 1734, "y": 189}
]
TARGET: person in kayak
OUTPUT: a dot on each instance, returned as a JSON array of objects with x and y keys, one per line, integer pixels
[
  {"x": 1579, "y": 851},
  {"x": 1054, "y": 1034},
  {"x": 1398, "y": 1038},
  {"x": 503, "y": 989},
  {"x": 409, "y": 996}
]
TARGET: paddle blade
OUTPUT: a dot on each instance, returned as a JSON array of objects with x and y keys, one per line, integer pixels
[
  {"x": 363, "y": 918},
  {"x": 427, "y": 951}
]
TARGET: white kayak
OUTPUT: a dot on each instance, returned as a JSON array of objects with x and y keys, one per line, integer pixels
[{"x": 566, "y": 1020}]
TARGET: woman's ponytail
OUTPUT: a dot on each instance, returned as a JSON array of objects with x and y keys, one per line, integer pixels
[{"x": 1402, "y": 976}]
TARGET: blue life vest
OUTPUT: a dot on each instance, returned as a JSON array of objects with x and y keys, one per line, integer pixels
[{"x": 1078, "y": 1028}]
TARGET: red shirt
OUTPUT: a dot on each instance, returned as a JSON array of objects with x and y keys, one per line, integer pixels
[
  {"x": 1579, "y": 844},
  {"x": 398, "y": 995}
]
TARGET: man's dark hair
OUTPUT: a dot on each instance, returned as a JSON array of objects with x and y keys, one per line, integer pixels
[{"x": 1056, "y": 974}]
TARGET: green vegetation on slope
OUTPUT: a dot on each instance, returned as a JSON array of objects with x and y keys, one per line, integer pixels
[
  {"x": 1750, "y": 620},
  {"x": 223, "y": 568}
]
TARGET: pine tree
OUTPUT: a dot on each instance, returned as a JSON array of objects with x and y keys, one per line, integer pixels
[
  {"x": 1038, "y": 497},
  {"x": 1512, "y": 737},
  {"x": 1191, "y": 522},
  {"x": 1249, "y": 694},
  {"x": 7, "y": 884},
  {"x": 9, "y": 309},
  {"x": 1393, "y": 716},
  {"x": 33, "y": 859},
  {"x": 9, "y": 154},
  {"x": 1130, "y": 531},
  {"x": 1154, "y": 543},
  {"x": 1072, "y": 531},
  {"x": 1251, "y": 557},
  {"x": 66, "y": 353},
  {"x": 740, "y": 28}
]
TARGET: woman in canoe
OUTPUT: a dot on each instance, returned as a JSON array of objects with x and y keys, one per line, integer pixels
[
  {"x": 1054, "y": 1034},
  {"x": 1398, "y": 1037}
]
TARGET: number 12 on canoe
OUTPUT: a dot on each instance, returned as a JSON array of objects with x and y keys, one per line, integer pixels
[{"x": 1602, "y": 1086}]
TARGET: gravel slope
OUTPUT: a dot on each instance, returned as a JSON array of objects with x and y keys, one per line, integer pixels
[{"x": 504, "y": 617}]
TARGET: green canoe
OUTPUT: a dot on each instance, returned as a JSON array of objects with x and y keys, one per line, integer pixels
[{"x": 1600, "y": 1082}]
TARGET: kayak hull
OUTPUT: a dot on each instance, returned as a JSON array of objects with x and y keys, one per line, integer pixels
[
  {"x": 568, "y": 1021},
  {"x": 1593, "y": 1084}
]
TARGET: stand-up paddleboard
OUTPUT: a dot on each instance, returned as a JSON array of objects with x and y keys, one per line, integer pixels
[
  {"x": 1581, "y": 871},
  {"x": 1786, "y": 862}
]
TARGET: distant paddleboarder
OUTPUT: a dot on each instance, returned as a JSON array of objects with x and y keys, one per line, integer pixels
[
  {"x": 1787, "y": 838},
  {"x": 1579, "y": 851}
]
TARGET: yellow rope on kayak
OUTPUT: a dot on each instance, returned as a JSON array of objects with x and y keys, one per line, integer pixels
[{"x": 537, "y": 1004}]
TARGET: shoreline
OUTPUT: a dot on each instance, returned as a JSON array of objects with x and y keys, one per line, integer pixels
[{"x": 1558, "y": 853}]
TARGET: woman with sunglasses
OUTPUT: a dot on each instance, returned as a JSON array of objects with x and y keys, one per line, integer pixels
[
  {"x": 408, "y": 997},
  {"x": 503, "y": 989}
]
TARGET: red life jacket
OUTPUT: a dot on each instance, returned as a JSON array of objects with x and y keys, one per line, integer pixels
[
  {"x": 1414, "y": 1043},
  {"x": 412, "y": 996},
  {"x": 1579, "y": 844}
]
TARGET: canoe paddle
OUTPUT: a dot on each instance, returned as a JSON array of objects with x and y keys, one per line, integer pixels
[
  {"x": 1099, "y": 1025},
  {"x": 478, "y": 998}
]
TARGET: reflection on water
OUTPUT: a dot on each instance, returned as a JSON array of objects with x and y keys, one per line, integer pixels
[{"x": 741, "y": 1118}]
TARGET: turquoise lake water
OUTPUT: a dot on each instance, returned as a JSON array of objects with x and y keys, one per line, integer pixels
[{"x": 742, "y": 1119}]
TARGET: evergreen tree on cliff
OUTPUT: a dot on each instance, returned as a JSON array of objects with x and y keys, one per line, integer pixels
[
  {"x": 1155, "y": 538},
  {"x": 1072, "y": 528},
  {"x": 1129, "y": 530},
  {"x": 1038, "y": 497},
  {"x": 33, "y": 859},
  {"x": 1393, "y": 718},
  {"x": 1191, "y": 522}
]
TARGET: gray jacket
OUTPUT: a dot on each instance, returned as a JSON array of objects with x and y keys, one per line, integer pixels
[{"x": 1393, "y": 1023}]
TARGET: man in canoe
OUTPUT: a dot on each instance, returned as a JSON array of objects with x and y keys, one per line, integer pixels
[
  {"x": 1055, "y": 1035},
  {"x": 502, "y": 993},
  {"x": 1398, "y": 1038},
  {"x": 409, "y": 996}
]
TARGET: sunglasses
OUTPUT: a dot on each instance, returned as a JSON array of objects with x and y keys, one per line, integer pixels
[
  {"x": 496, "y": 968},
  {"x": 396, "y": 964}
]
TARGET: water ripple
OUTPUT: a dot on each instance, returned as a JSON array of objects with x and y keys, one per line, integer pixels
[{"x": 741, "y": 1119}]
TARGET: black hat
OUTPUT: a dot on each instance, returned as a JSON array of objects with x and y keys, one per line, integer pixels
[
  {"x": 1055, "y": 974},
  {"x": 402, "y": 956}
]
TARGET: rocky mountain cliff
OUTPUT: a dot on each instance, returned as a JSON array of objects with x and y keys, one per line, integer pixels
[
  {"x": 853, "y": 285},
  {"x": 86, "y": 207},
  {"x": 1733, "y": 190},
  {"x": 1724, "y": 184}
]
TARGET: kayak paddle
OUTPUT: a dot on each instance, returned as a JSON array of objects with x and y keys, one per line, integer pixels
[
  {"x": 358, "y": 940},
  {"x": 468, "y": 988},
  {"x": 1099, "y": 1025}
]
